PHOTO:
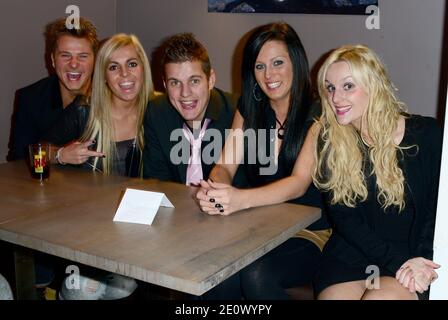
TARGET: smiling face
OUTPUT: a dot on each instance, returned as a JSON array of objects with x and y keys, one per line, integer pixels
[
  {"x": 124, "y": 75},
  {"x": 274, "y": 72},
  {"x": 73, "y": 61},
  {"x": 347, "y": 97},
  {"x": 188, "y": 89}
]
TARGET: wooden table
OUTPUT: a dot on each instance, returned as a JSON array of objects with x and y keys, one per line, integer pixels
[{"x": 70, "y": 216}]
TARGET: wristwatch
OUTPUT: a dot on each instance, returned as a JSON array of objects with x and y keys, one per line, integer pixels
[{"x": 58, "y": 156}]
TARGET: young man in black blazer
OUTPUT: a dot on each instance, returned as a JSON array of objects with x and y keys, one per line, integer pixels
[
  {"x": 191, "y": 103},
  {"x": 191, "y": 108},
  {"x": 71, "y": 56}
]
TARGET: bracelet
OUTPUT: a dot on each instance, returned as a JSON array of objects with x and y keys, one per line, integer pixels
[{"x": 58, "y": 156}]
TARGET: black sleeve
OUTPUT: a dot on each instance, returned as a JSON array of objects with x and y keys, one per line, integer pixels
[
  {"x": 432, "y": 141},
  {"x": 70, "y": 126},
  {"x": 154, "y": 162},
  {"x": 23, "y": 131},
  {"x": 351, "y": 224}
]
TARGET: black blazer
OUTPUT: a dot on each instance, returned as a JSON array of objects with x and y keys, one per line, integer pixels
[
  {"x": 162, "y": 119},
  {"x": 37, "y": 108},
  {"x": 71, "y": 123}
]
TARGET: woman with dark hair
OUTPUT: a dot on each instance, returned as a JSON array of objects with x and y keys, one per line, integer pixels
[
  {"x": 275, "y": 112},
  {"x": 290, "y": 101}
]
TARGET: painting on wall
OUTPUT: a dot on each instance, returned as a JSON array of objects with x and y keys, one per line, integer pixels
[{"x": 292, "y": 6}]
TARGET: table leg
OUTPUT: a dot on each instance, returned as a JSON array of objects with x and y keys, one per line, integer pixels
[{"x": 24, "y": 270}]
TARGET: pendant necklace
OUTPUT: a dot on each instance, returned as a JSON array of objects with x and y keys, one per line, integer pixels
[{"x": 281, "y": 129}]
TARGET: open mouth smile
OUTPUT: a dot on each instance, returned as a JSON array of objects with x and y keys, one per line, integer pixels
[
  {"x": 340, "y": 111},
  {"x": 127, "y": 86},
  {"x": 74, "y": 76},
  {"x": 188, "y": 105},
  {"x": 273, "y": 85}
]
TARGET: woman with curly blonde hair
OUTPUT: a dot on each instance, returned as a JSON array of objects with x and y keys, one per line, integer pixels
[
  {"x": 378, "y": 168},
  {"x": 341, "y": 169}
]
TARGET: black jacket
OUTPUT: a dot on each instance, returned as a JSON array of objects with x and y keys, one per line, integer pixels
[
  {"x": 162, "y": 119},
  {"x": 71, "y": 124},
  {"x": 37, "y": 108}
]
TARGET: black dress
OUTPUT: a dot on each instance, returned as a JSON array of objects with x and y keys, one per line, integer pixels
[
  {"x": 294, "y": 262},
  {"x": 368, "y": 235},
  {"x": 312, "y": 196}
]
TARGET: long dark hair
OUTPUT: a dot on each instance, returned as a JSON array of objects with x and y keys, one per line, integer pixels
[{"x": 301, "y": 97}]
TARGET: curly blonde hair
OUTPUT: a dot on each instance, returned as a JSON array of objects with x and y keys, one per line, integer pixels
[
  {"x": 339, "y": 153},
  {"x": 100, "y": 125}
]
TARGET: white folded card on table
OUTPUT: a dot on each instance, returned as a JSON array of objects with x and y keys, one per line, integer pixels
[{"x": 139, "y": 206}]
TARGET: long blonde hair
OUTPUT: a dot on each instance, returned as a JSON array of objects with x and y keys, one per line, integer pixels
[
  {"x": 100, "y": 125},
  {"x": 339, "y": 154}
]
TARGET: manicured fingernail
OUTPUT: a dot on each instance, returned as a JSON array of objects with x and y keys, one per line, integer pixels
[
  {"x": 222, "y": 210},
  {"x": 212, "y": 200},
  {"x": 218, "y": 205}
]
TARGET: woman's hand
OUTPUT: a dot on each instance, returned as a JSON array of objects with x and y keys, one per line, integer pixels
[
  {"x": 204, "y": 201},
  {"x": 219, "y": 198},
  {"x": 417, "y": 274},
  {"x": 78, "y": 152}
]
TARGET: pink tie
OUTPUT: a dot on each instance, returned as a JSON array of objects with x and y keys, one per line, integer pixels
[{"x": 194, "y": 170}]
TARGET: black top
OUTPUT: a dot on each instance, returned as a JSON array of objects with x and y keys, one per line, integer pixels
[
  {"x": 123, "y": 149},
  {"x": 37, "y": 108},
  {"x": 163, "y": 135},
  {"x": 71, "y": 126},
  {"x": 312, "y": 196},
  {"x": 401, "y": 222},
  {"x": 366, "y": 234}
]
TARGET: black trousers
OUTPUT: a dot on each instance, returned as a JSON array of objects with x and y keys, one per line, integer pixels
[{"x": 291, "y": 264}]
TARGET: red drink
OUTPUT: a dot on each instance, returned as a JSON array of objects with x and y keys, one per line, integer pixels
[{"x": 40, "y": 161}]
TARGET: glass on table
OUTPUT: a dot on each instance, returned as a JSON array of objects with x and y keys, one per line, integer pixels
[{"x": 40, "y": 160}]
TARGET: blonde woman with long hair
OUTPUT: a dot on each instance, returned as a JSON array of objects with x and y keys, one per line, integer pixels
[
  {"x": 108, "y": 131},
  {"x": 108, "y": 137},
  {"x": 378, "y": 168}
]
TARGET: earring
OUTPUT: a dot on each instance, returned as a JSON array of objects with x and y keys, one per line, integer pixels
[{"x": 256, "y": 93}]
